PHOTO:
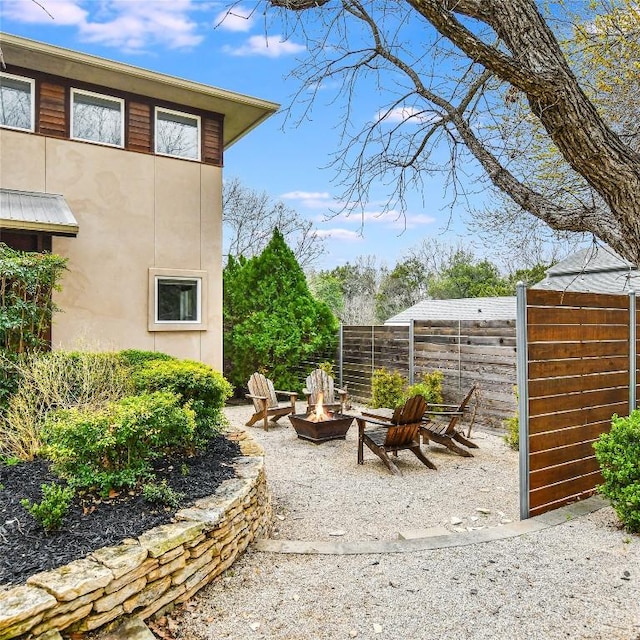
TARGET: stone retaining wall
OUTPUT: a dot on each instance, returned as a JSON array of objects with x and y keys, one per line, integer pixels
[{"x": 168, "y": 564}]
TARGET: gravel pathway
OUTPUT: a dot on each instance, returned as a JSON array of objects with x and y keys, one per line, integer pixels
[{"x": 579, "y": 580}]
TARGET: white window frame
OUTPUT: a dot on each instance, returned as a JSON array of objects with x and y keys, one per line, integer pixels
[
  {"x": 182, "y": 114},
  {"x": 32, "y": 94},
  {"x": 201, "y": 277},
  {"x": 102, "y": 96}
]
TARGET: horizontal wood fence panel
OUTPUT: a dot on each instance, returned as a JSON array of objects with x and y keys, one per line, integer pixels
[
  {"x": 567, "y": 437},
  {"x": 569, "y": 401},
  {"x": 561, "y": 455},
  {"x": 564, "y": 315},
  {"x": 568, "y": 332},
  {"x": 576, "y": 366},
  {"x": 562, "y": 350},
  {"x": 568, "y": 419},
  {"x": 556, "y": 386},
  {"x": 562, "y": 472},
  {"x": 539, "y": 297},
  {"x": 567, "y": 490}
]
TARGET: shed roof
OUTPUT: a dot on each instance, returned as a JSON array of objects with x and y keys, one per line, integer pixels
[
  {"x": 490, "y": 308},
  {"x": 36, "y": 211}
]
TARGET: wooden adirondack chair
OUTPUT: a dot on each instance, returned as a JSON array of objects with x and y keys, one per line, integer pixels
[
  {"x": 333, "y": 398},
  {"x": 446, "y": 433},
  {"x": 265, "y": 400},
  {"x": 401, "y": 431}
]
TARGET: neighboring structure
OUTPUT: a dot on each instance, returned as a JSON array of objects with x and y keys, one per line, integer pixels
[
  {"x": 490, "y": 308},
  {"x": 119, "y": 169},
  {"x": 592, "y": 270}
]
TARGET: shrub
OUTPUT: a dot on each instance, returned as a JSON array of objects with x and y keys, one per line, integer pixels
[
  {"x": 387, "y": 388},
  {"x": 512, "y": 437},
  {"x": 53, "y": 507},
  {"x": 328, "y": 368},
  {"x": 618, "y": 453},
  {"x": 61, "y": 380},
  {"x": 113, "y": 447},
  {"x": 134, "y": 358},
  {"x": 202, "y": 387},
  {"x": 161, "y": 493},
  {"x": 430, "y": 388}
]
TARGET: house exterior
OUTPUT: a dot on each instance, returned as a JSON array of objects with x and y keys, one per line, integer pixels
[
  {"x": 489, "y": 308},
  {"x": 592, "y": 270},
  {"x": 119, "y": 169}
]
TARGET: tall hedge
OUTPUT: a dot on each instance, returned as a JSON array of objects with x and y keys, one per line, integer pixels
[{"x": 272, "y": 321}]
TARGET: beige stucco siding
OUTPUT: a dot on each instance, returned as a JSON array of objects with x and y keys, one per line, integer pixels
[{"x": 135, "y": 211}]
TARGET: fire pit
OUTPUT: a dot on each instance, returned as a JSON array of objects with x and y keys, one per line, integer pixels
[{"x": 321, "y": 425}]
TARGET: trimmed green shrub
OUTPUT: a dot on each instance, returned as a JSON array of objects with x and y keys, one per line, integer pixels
[
  {"x": 430, "y": 388},
  {"x": 618, "y": 453},
  {"x": 53, "y": 507},
  {"x": 161, "y": 493},
  {"x": 135, "y": 358},
  {"x": 387, "y": 388},
  {"x": 113, "y": 447},
  {"x": 204, "y": 388},
  {"x": 61, "y": 380}
]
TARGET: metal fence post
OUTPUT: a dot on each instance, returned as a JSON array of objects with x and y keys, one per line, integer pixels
[
  {"x": 340, "y": 354},
  {"x": 411, "y": 351},
  {"x": 632, "y": 351},
  {"x": 523, "y": 396}
]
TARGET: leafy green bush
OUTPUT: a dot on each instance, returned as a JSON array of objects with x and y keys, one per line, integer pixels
[
  {"x": 204, "y": 388},
  {"x": 114, "y": 446},
  {"x": 27, "y": 281},
  {"x": 161, "y": 493},
  {"x": 328, "y": 368},
  {"x": 387, "y": 388},
  {"x": 430, "y": 388},
  {"x": 61, "y": 380},
  {"x": 618, "y": 453},
  {"x": 53, "y": 507},
  {"x": 135, "y": 358},
  {"x": 512, "y": 437}
]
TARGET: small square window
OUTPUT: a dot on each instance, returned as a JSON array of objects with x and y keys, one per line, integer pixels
[
  {"x": 97, "y": 118},
  {"x": 178, "y": 300},
  {"x": 16, "y": 102},
  {"x": 177, "y": 134}
]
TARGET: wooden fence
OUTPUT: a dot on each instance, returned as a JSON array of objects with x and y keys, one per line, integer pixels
[
  {"x": 467, "y": 352},
  {"x": 578, "y": 376}
]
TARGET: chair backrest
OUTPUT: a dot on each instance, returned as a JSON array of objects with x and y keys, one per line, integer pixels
[
  {"x": 319, "y": 381},
  {"x": 406, "y": 422},
  {"x": 260, "y": 385},
  {"x": 459, "y": 411}
]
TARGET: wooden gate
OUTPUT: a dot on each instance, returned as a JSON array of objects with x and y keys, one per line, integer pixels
[{"x": 574, "y": 374}]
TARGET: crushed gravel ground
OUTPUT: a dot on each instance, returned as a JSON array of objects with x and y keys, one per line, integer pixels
[{"x": 578, "y": 580}]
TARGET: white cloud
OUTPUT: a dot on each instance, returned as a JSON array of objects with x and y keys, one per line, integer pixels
[
  {"x": 402, "y": 114},
  {"x": 311, "y": 199},
  {"x": 236, "y": 19},
  {"x": 133, "y": 26},
  {"x": 339, "y": 234},
  {"x": 268, "y": 46}
]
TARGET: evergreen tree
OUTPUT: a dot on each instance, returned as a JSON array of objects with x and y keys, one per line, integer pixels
[{"x": 272, "y": 321}]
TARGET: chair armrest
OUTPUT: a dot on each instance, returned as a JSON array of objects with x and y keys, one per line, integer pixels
[
  {"x": 291, "y": 394},
  {"x": 340, "y": 391},
  {"x": 380, "y": 422},
  {"x": 306, "y": 391},
  {"x": 250, "y": 397},
  {"x": 379, "y": 414}
]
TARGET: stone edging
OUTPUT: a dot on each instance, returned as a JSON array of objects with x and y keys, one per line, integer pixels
[
  {"x": 165, "y": 565},
  {"x": 427, "y": 543}
]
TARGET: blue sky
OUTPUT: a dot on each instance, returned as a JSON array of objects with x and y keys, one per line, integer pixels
[{"x": 286, "y": 158}]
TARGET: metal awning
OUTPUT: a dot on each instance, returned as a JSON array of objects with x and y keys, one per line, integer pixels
[{"x": 35, "y": 211}]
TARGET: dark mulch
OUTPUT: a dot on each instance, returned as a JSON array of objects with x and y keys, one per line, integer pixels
[{"x": 90, "y": 524}]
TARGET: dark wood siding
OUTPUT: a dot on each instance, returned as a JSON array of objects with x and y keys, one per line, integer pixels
[
  {"x": 212, "y": 141},
  {"x": 52, "y": 111},
  {"x": 139, "y": 127}
]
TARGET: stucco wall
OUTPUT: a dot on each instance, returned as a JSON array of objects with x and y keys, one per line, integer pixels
[{"x": 135, "y": 212}]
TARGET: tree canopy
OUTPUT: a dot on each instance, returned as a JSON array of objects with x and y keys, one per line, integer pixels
[{"x": 450, "y": 68}]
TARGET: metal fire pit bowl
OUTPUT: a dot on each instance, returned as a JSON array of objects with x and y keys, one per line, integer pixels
[{"x": 333, "y": 429}]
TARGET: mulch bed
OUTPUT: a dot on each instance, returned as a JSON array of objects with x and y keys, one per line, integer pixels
[{"x": 91, "y": 523}]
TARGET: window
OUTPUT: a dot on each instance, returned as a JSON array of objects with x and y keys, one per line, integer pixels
[
  {"x": 16, "y": 102},
  {"x": 177, "y": 134},
  {"x": 97, "y": 118},
  {"x": 178, "y": 299}
]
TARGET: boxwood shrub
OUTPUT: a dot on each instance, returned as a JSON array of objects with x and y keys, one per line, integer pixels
[
  {"x": 204, "y": 388},
  {"x": 113, "y": 447},
  {"x": 618, "y": 453}
]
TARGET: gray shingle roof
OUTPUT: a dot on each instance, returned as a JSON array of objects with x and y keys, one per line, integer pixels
[
  {"x": 492, "y": 308},
  {"x": 593, "y": 270}
]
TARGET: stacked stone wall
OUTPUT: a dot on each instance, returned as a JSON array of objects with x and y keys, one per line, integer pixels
[{"x": 166, "y": 565}]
